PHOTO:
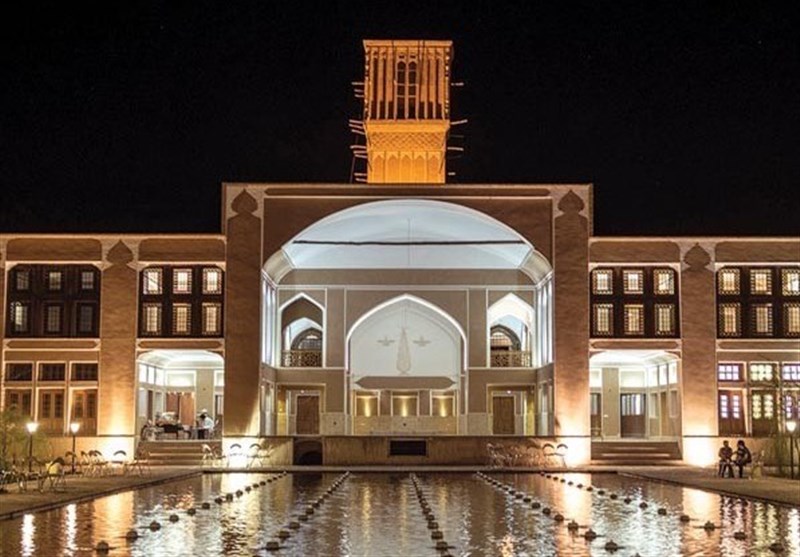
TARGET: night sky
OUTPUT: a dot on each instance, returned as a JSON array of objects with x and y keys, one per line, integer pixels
[{"x": 128, "y": 118}]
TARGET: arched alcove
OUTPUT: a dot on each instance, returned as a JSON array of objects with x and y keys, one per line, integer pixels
[{"x": 406, "y": 337}]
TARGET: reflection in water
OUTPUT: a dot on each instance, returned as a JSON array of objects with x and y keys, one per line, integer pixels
[
  {"x": 70, "y": 527},
  {"x": 28, "y": 533},
  {"x": 378, "y": 514}
]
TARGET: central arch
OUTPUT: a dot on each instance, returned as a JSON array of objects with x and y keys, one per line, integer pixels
[{"x": 408, "y": 234}]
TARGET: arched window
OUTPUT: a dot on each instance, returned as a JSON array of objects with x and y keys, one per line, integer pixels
[
  {"x": 503, "y": 339},
  {"x": 310, "y": 339},
  {"x": 412, "y": 89},
  {"x": 401, "y": 90}
]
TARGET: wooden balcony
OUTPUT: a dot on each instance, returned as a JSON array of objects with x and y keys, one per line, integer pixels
[
  {"x": 301, "y": 358},
  {"x": 510, "y": 358}
]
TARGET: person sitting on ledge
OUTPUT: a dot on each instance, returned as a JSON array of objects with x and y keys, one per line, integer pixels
[
  {"x": 743, "y": 456},
  {"x": 725, "y": 455}
]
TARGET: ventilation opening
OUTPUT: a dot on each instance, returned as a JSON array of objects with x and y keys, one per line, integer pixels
[
  {"x": 408, "y": 447},
  {"x": 307, "y": 453}
]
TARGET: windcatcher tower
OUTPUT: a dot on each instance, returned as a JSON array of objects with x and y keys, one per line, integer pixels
[{"x": 406, "y": 116}]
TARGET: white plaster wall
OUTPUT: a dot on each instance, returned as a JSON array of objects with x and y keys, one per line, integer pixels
[{"x": 434, "y": 344}]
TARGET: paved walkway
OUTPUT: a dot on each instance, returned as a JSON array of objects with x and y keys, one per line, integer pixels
[
  {"x": 80, "y": 488},
  {"x": 767, "y": 488}
]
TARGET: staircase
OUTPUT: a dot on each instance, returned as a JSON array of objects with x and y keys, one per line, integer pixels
[
  {"x": 178, "y": 453},
  {"x": 641, "y": 453}
]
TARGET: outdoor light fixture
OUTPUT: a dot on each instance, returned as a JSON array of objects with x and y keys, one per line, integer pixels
[
  {"x": 791, "y": 425},
  {"x": 73, "y": 428},
  {"x": 32, "y": 427}
]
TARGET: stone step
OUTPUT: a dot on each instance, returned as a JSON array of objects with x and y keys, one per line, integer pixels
[
  {"x": 635, "y": 462},
  {"x": 633, "y": 452},
  {"x": 178, "y": 453}
]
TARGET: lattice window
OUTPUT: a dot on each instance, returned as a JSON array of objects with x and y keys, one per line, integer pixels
[
  {"x": 212, "y": 281},
  {"x": 19, "y": 399},
  {"x": 723, "y": 406},
  {"x": 791, "y": 320},
  {"x": 790, "y": 372},
  {"x": 763, "y": 406},
  {"x": 730, "y": 321},
  {"x": 212, "y": 318},
  {"x": 762, "y": 319},
  {"x": 736, "y": 407},
  {"x": 52, "y": 372},
  {"x": 20, "y": 317},
  {"x": 791, "y": 405},
  {"x": 85, "y": 318},
  {"x": 22, "y": 280},
  {"x": 790, "y": 280},
  {"x": 729, "y": 372},
  {"x": 665, "y": 319},
  {"x": 19, "y": 372},
  {"x": 634, "y": 319},
  {"x": 761, "y": 281},
  {"x": 762, "y": 372},
  {"x": 87, "y": 280},
  {"x": 84, "y": 372},
  {"x": 633, "y": 281},
  {"x": 55, "y": 280},
  {"x": 52, "y": 318},
  {"x": 664, "y": 281},
  {"x": 729, "y": 281},
  {"x": 181, "y": 319},
  {"x": 603, "y": 281},
  {"x": 152, "y": 281},
  {"x": 182, "y": 281},
  {"x": 603, "y": 319},
  {"x": 151, "y": 316}
]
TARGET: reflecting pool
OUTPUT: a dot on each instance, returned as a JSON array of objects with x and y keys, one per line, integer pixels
[{"x": 387, "y": 514}]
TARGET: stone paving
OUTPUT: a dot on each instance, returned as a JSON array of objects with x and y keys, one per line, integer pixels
[
  {"x": 80, "y": 488},
  {"x": 767, "y": 488}
]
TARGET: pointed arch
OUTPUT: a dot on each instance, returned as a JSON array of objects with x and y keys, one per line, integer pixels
[{"x": 387, "y": 324}]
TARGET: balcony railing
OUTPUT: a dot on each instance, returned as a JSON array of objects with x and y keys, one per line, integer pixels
[
  {"x": 510, "y": 358},
  {"x": 301, "y": 358}
]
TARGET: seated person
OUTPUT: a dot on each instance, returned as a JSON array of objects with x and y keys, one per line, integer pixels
[
  {"x": 743, "y": 456},
  {"x": 148, "y": 433},
  {"x": 725, "y": 456}
]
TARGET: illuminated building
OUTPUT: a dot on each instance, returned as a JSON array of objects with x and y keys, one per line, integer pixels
[{"x": 344, "y": 315}]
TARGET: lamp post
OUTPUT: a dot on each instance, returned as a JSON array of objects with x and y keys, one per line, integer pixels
[
  {"x": 791, "y": 425},
  {"x": 73, "y": 428},
  {"x": 32, "y": 427}
]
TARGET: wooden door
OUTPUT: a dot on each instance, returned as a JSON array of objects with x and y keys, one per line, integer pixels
[
  {"x": 666, "y": 427},
  {"x": 632, "y": 414},
  {"x": 307, "y": 419},
  {"x": 51, "y": 411},
  {"x": 188, "y": 413},
  {"x": 84, "y": 411},
  {"x": 503, "y": 415},
  {"x": 762, "y": 409},
  {"x": 596, "y": 414},
  {"x": 731, "y": 416}
]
